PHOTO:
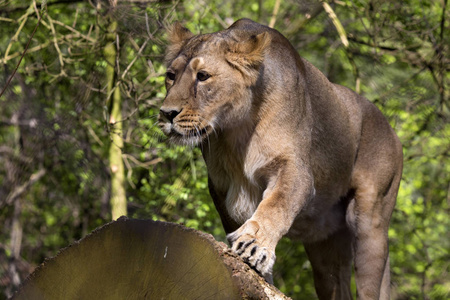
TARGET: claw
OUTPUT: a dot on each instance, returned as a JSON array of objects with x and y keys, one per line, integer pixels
[
  {"x": 258, "y": 257},
  {"x": 239, "y": 249}
]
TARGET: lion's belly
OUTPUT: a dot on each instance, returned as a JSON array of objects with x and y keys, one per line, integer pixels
[{"x": 316, "y": 223}]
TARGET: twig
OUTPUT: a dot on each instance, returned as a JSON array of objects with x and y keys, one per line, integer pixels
[
  {"x": 355, "y": 72},
  {"x": 149, "y": 66},
  {"x": 19, "y": 8},
  {"x": 129, "y": 172},
  {"x": 381, "y": 47},
  {"x": 340, "y": 29},
  {"x": 297, "y": 25},
  {"x": 55, "y": 42},
  {"x": 343, "y": 36},
  {"x": 30, "y": 50},
  {"x": 147, "y": 26},
  {"x": 75, "y": 31},
  {"x": 448, "y": 195},
  {"x": 24, "y": 19},
  {"x": 74, "y": 23},
  {"x": 440, "y": 54},
  {"x": 7, "y": 20},
  {"x": 23, "y": 188},
  {"x": 96, "y": 138},
  {"x": 135, "y": 58},
  {"x": 143, "y": 164},
  {"x": 9, "y": 151},
  {"x": 24, "y": 51},
  {"x": 219, "y": 19},
  {"x": 441, "y": 35},
  {"x": 274, "y": 13},
  {"x": 117, "y": 52},
  {"x": 172, "y": 9}
]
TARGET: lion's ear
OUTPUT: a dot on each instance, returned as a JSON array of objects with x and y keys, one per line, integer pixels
[
  {"x": 249, "y": 54},
  {"x": 177, "y": 36}
]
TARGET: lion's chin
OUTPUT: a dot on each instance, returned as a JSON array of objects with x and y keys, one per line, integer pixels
[{"x": 189, "y": 138}]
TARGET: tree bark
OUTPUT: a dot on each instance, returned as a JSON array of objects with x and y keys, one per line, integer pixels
[
  {"x": 118, "y": 194},
  {"x": 143, "y": 259},
  {"x": 15, "y": 246}
]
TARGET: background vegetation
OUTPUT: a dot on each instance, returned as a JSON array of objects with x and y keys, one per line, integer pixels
[{"x": 79, "y": 145}]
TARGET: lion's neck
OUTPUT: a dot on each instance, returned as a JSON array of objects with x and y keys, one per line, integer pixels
[
  {"x": 225, "y": 151},
  {"x": 232, "y": 140},
  {"x": 225, "y": 155}
]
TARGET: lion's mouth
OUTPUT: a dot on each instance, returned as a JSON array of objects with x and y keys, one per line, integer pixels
[
  {"x": 188, "y": 136},
  {"x": 184, "y": 132},
  {"x": 196, "y": 132}
]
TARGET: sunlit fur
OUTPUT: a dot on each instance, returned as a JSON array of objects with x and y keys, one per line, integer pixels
[{"x": 287, "y": 152}]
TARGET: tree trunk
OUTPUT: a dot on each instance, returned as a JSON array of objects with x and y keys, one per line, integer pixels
[
  {"x": 15, "y": 246},
  {"x": 143, "y": 259},
  {"x": 118, "y": 194}
]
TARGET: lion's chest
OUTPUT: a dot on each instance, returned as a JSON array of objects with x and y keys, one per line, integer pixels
[
  {"x": 234, "y": 179},
  {"x": 242, "y": 200}
]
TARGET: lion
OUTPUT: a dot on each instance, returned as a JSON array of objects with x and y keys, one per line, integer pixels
[{"x": 288, "y": 153}]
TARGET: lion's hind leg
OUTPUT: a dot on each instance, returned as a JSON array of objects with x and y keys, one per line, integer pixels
[
  {"x": 373, "y": 209},
  {"x": 331, "y": 261}
]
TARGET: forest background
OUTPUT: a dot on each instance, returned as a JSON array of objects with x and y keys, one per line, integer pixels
[{"x": 79, "y": 145}]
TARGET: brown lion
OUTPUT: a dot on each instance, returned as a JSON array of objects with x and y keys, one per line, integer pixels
[{"x": 288, "y": 154}]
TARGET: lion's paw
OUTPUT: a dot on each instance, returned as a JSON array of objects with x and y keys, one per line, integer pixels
[{"x": 257, "y": 256}]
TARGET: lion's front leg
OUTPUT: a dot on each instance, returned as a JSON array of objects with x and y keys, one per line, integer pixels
[{"x": 255, "y": 241}]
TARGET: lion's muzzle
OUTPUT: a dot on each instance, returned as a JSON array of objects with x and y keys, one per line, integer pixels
[
  {"x": 169, "y": 114},
  {"x": 183, "y": 126}
]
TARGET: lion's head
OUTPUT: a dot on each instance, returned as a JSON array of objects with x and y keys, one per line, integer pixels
[{"x": 209, "y": 81}]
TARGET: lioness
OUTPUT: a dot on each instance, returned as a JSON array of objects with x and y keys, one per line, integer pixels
[{"x": 287, "y": 152}]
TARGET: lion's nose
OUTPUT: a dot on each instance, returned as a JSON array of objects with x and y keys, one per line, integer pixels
[{"x": 170, "y": 114}]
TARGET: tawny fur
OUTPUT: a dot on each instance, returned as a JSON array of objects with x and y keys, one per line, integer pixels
[{"x": 287, "y": 152}]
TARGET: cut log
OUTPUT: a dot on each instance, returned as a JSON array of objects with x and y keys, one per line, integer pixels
[{"x": 143, "y": 259}]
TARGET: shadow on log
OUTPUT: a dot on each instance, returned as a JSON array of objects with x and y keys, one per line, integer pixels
[{"x": 143, "y": 259}]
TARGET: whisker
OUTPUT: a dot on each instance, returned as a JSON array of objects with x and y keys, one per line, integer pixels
[{"x": 213, "y": 128}]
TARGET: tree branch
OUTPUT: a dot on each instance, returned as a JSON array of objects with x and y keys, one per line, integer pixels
[
  {"x": 25, "y": 17},
  {"x": 20, "y": 190},
  {"x": 22, "y": 8},
  {"x": 441, "y": 57},
  {"x": 274, "y": 13},
  {"x": 337, "y": 24},
  {"x": 297, "y": 25},
  {"x": 9, "y": 151},
  {"x": 356, "y": 40}
]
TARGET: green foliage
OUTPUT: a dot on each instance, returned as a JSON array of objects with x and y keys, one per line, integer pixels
[{"x": 55, "y": 118}]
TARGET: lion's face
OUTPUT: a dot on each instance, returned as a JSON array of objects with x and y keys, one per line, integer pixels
[
  {"x": 203, "y": 94},
  {"x": 208, "y": 84}
]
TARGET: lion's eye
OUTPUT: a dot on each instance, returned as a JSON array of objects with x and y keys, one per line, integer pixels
[
  {"x": 170, "y": 75},
  {"x": 202, "y": 76}
]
